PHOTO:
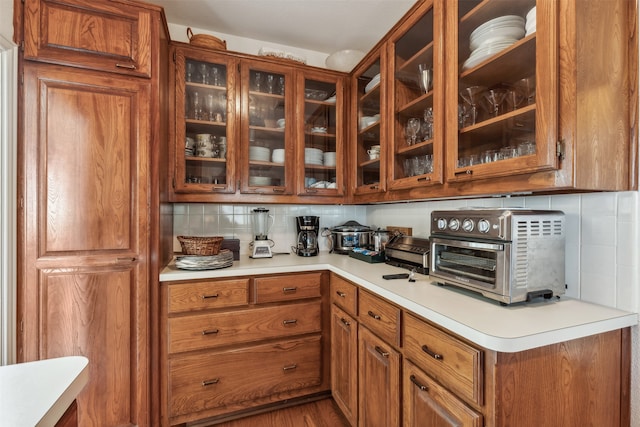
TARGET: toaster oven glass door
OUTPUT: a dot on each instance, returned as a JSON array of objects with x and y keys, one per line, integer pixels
[{"x": 477, "y": 265}]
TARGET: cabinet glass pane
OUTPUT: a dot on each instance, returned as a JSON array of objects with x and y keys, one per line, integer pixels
[
  {"x": 497, "y": 100},
  {"x": 369, "y": 129},
  {"x": 266, "y": 108},
  {"x": 205, "y": 113},
  {"x": 414, "y": 112},
  {"x": 319, "y": 135}
]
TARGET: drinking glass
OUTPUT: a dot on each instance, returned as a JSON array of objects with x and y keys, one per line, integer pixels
[
  {"x": 428, "y": 163},
  {"x": 204, "y": 74},
  {"x": 513, "y": 99},
  {"x": 216, "y": 75},
  {"x": 471, "y": 95},
  {"x": 189, "y": 71},
  {"x": 197, "y": 106},
  {"x": 211, "y": 115},
  {"x": 493, "y": 100},
  {"x": 527, "y": 88},
  {"x": 270, "y": 82},
  {"x": 257, "y": 79},
  {"x": 425, "y": 75},
  {"x": 427, "y": 125},
  {"x": 413, "y": 127},
  {"x": 281, "y": 83}
]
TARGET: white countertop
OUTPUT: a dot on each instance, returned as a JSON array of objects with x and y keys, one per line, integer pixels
[
  {"x": 38, "y": 393},
  {"x": 480, "y": 320}
]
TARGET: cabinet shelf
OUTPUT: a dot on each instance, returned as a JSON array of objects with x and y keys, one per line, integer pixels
[
  {"x": 417, "y": 106},
  {"x": 409, "y": 68},
  {"x": 205, "y": 159},
  {"x": 319, "y": 167},
  {"x": 265, "y": 163},
  {"x": 508, "y": 66},
  {"x": 205, "y": 86},
  {"x": 418, "y": 148}
]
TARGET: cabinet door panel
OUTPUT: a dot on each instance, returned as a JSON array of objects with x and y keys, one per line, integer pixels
[
  {"x": 426, "y": 403},
  {"x": 378, "y": 382},
  {"x": 107, "y": 36},
  {"x": 344, "y": 363},
  {"x": 85, "y": 164}
]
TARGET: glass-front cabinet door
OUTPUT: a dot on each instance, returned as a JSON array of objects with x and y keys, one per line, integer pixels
[
  {"x": 505, "y": 102},
  {"x": 417, "y": 136},
  {"x": 205, "y": 121},
  {"x": 320, "y": 162},
  {"x": 267, "y": 148},
  {"x": 369, "y": 152}
]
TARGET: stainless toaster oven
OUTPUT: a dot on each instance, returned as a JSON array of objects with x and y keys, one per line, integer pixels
[{"x": 509, "y": 255}]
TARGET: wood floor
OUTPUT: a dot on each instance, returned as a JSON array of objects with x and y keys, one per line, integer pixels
[{"x": 321, "y": 413}]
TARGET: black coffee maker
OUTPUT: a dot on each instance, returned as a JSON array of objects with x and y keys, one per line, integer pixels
[{"x": 308, "y": 229}]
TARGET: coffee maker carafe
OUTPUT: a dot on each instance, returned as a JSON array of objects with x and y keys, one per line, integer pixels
[{"x": 308, "y": 228}]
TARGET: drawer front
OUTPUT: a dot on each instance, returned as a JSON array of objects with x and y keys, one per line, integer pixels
[
  {"x": 344, "y": 294},
  {"x": 207, "y": 381},
  {"x": 106, "y": 36},
  {"x": 452, "y": 362},
  {"x": 380, "y": 317},
  {"x": 208, "y": 330},
  {"x": 287, "y": 288},
  {"x": 207, "y": 295}
]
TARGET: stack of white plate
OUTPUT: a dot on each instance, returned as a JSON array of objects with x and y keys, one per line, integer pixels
[
  {"x": 277, "y": 156},
  {"x": 492, "y": 37},
  {"x": 313, "y": 156},
  {"x": 259, "y": 180},
  {"x": 262, "y": 154},
  {"x": 375, "y": 81},
  {"x": 530, "y": 26},
  {"x": 195, "y": 262}
]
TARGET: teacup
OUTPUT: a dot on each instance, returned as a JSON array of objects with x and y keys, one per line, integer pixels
[
  {"x": 373, "y": 154},
  {"x": 280, "y": 123}
]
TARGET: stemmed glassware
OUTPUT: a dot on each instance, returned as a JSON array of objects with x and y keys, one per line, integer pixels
[
  {"x": 189, "y": 68},
  {"x": 425, "y": 77},
  {"x": 413, "y": 127},
  {"x": 281, "y": 83},
  {"x": 210, "y": 112},
  {"x": 493, "y": 99},
  {"x": 204, "y": 74},
  {"x": 257, "y": 81},
  {"x": 216, "y": 75},
  {"x": 270, "y": 82},
  {"x": 471, "y": 96},
  {"x": 527, "y": 88},
  {"x": 427, "y": 124}
]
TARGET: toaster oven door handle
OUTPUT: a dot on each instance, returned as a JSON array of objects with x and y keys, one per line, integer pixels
[{"x": 473, "y": 245}]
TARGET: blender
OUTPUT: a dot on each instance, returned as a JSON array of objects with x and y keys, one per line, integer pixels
[{"x": 262, "y": 223}]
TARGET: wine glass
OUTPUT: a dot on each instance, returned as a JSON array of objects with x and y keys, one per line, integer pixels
[
  {"x": 514, "y": 98},
  {"x": 425, "y": 77},
  {"x": 527, "y": 88},
  {"x": 427, "y": 124},
  {"x": 216, "y": 75},
  {"x": 189, "y": 71},
  {"x": 413, "y": 127},
  {"x": 204, "y": 73},
  {"x": 493, "y": 100},
  {"x": 270, "y": 82},
  {"x": 257, "y": 79},
  {"x": 197, "y": 106},
  {"x": 471, "y": 96},
  {"x": 281, "y": 83},
  {"x": 210, "y": 102}
]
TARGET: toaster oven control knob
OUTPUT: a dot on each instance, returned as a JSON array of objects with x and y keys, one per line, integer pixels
[
  {"x": 468, "y": 225},
  {"x": 484, "y": 226},
  {"x": 454, "y": 224},
  {"x": 441, "y": 224}
]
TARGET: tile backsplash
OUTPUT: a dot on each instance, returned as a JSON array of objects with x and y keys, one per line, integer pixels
[{"x": 602, "y": 231}]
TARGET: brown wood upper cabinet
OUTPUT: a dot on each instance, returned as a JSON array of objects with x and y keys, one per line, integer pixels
[{"x": 99, "y": 35}]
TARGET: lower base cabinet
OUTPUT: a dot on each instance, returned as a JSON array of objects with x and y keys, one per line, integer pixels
[
  {"x": 231, "y": 346},
  {"x": 344, "y": 363}
]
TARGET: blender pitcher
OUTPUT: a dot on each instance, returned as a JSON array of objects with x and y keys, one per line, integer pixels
[{"x": 262, "y": 223}]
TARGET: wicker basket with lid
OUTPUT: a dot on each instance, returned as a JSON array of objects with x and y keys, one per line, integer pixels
[{"x": 204, "y": 40}]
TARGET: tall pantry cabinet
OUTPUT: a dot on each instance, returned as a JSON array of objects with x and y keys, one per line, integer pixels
[{"x": 90, "y": 193}]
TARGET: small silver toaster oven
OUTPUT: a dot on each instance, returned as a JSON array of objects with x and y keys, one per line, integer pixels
[{"x": 509, "y": 255}]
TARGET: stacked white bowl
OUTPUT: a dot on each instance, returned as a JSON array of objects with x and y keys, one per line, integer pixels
[
  {"x": 259, "y": 180},
  {"x": 530, "y": 25},
  {"x": 262, "y": 154},
  {"x": 330, "y": 158},
  {"x": 277, "y": 155},
  {"x": 313, "y": 156},
  {"x": 492, "y": 37}
]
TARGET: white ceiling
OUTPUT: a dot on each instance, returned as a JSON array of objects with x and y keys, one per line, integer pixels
[{"x": 318, "y": 25}]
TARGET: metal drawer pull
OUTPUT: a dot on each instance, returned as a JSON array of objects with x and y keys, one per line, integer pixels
[
  {"x": 372, "y": 314},
  {"x": 209, "y": 332},
  {"x": 127, "y": 66},
  {"x": 345, "y": 321},
  {"x": 291, "y": 289},
  {"x": 432, "y": 353},
  {"x": 210, "y": 382},
  {"x": 341, "y": 294},
  {"x": 420, "y": 386},
  {"x": 382, "y": 352},
  {"x": 289, "y": 368},
  {"x": 290, "y": 322},
  {"x": 209, "y": 296}
]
